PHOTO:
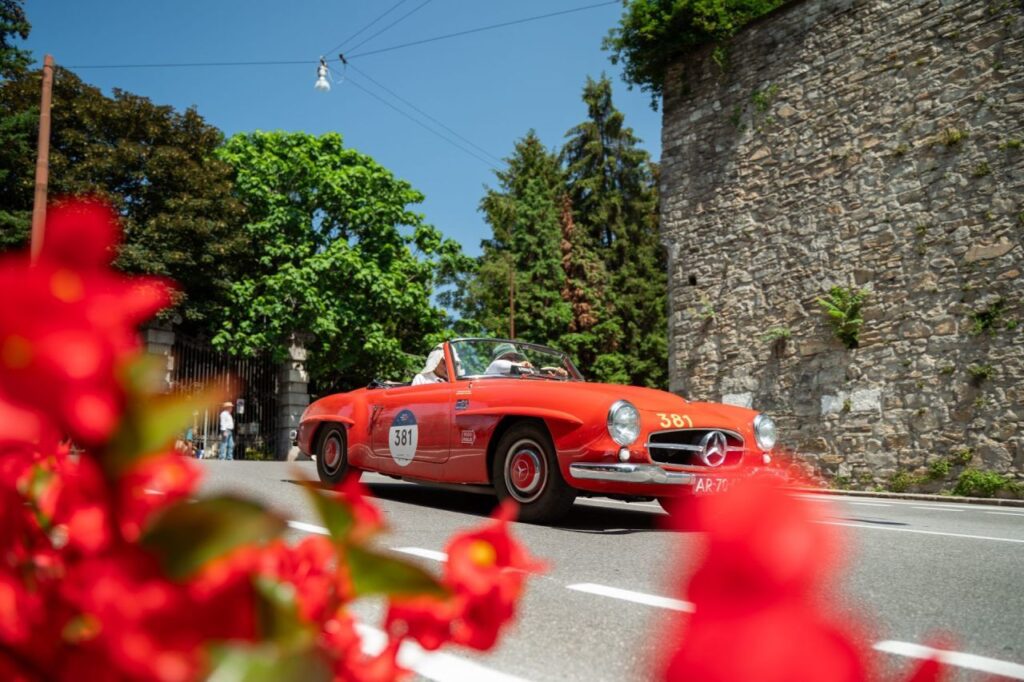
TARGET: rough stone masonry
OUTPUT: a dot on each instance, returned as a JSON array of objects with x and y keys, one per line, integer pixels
[{"x": 864, "y": 144}]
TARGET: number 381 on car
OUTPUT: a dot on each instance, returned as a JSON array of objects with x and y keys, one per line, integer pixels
[{"x": 519, "y": 420}]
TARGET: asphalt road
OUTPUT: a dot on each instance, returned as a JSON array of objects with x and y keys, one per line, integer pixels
[{"x": 917, "y": 569}]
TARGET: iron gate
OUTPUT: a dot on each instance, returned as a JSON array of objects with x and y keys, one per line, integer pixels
[{"x": 252, "y": 385}]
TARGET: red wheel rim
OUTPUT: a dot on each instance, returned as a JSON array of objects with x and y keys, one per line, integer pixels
[
  {"x": 525, "y": 471},
  {"x": 332, "y": 454}
]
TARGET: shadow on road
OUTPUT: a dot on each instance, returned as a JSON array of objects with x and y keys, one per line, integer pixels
[{"x": 582, "y": 518}]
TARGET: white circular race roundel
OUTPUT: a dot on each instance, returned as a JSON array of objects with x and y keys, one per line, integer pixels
[{"x": 402, "y": 437}]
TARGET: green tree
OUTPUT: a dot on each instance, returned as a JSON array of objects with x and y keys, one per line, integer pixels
[
  {"x": 154, "y": 164},
  {"x": 523, "y": 212},
  {"x": 654, "y": 34},
  {"x": 612, "y": 185},
  {"x": 341, "y": 259},
  {"x": 13, "y": 25}
]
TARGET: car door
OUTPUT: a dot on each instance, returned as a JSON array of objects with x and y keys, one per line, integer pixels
[{"x": 411, "y": 426}]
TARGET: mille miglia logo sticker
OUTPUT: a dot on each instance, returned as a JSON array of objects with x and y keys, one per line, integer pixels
[{"x": 468, "y": 436}]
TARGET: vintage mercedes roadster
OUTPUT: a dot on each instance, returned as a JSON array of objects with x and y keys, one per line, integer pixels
[{"x": 519, "y": 420}]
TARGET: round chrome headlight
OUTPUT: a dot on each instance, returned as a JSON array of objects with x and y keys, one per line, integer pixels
[
  {"x": 765, "y": 432},
  {"x": 623, "y": 422}
]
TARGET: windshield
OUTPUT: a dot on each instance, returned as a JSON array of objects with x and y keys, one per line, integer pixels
[{"x": 497, "y": 358}]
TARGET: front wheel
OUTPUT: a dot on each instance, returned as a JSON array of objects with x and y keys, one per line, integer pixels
[
  {"x": 332, "y": 455},
  {"x": 526, "y": 471}
]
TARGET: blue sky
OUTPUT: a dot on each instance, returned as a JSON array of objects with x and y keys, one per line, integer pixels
[{"x": 489, "y": 87}]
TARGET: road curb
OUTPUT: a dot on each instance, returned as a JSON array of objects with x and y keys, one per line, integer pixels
[{"x": 921, "y": 497}]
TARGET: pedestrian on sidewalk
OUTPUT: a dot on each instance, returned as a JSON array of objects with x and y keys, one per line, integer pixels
[{"x": 227, "y": 433}]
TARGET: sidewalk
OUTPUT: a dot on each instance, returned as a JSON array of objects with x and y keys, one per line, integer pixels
[{"x": 993, "y": 501}]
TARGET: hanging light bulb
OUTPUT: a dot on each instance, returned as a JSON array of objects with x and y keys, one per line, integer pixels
[{"x": 321, "y": 77}]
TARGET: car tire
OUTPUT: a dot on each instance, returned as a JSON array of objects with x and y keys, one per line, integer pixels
[
  {"x": 526, "y": 471},
  {"x": 332, "y": 455}
]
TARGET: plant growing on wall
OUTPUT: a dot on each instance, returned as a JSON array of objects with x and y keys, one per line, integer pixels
[
  {"x": 653, "y": 34},
  {"x": 843, "y": 305}
]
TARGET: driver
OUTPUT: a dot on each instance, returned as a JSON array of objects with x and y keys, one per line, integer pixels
[
  {"x": 505, "y": 357},
  {"x": 434, "y": 371}
]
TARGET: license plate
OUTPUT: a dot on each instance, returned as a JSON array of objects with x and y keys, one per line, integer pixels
[{"x": 709, "y": 485}]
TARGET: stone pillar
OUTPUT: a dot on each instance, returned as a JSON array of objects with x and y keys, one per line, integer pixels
[
  {"x": 292, "y": 399},
  {"x": 159, "y": 340}
]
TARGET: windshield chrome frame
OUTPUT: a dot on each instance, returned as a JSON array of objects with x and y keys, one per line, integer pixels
[{"x": 575, "y": 372}]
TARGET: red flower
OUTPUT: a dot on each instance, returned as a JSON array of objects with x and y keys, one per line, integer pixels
[
  {"x": 368, "y": 519},
  {"x": 311, "y": 567},
  {"x": 68, "y": 322},
  {"x": 758, "y": 613},
  {"x": 342, "y": 644},
  {"x": 151, "y": 485},
  {"x": 486, "y": 571},
  {"x": 428, "y": 620}
]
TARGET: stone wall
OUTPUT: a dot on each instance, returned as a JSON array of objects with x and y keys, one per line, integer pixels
[{"x": 856, "y": 143}]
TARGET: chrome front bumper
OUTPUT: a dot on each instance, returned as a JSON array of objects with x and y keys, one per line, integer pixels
[{"x": 631, "y": 473}]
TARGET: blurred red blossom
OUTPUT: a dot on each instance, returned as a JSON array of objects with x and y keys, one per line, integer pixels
[
  {"x": 761, "y": 596},
  {"x": 70, "y": 322},
  {"x": 109, "y": 570},
  {"x": 485, "y": 572}
]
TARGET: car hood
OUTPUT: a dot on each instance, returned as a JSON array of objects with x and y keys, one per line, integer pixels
[{"x": 648, "y": 399}]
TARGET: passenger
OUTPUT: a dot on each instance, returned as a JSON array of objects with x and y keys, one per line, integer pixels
[
  {"x": 434, "y": 371},
  {"x": 505, "y": 358}
]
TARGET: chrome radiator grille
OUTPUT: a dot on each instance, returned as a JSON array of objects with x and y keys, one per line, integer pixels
[{"x": 682, "y": 447}]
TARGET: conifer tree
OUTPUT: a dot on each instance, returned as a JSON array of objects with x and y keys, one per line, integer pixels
[
  {"x": 524, "y": 254},
  {"x": 612, "y": 185}
]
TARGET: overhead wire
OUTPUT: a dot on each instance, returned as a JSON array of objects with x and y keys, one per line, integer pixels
[
  {"x": 484, "y": 28},
  {"x": 393, "y": 23},
  {"x": 421, "y": 124},
  {"x": 171, "y": 65},
  {"x": 364, "y": 28},
  {"x": 415, "y": 108}
]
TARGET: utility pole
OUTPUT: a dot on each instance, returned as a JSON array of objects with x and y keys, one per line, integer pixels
[
  {"x": 42, "y": 160},
  {"x": 511, "y": 299}
]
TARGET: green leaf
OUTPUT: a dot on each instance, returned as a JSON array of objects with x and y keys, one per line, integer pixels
[
  {"x": 278, "y": 614},
  {"x": 268, "y": 663},
  {"x": 334, "y": 512},
  {"x": 151, "y": 423},
  {"x": 189, "y": 534},
  {"x": 375, "y": 573}
]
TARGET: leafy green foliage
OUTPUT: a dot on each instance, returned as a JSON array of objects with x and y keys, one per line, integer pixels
[
  {"x": 655, "y": 34},
  {"x": 986, "y": 320},
  {"x": 189, "y": 534},
  {"x": 980, "y": 373},
  {"x": 13, "y": 25},
  {"x": 939, "y": 469},
  {"x": 339, "y": 258},
  {"x": 154, "y": 164},
  {"x": 843, "y": 306},
  {"x": 978, "y": 483}
]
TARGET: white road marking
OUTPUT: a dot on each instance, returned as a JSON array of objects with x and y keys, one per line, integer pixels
[
  {"x": 637, "y": 597},
  {"x": 425, "y": 553},
  {"x": 992, "y": 666},
  {"x": 921, "y": 532},
  {"x": 431, "y": 665},
  {"x": 1006, "y": 513},
  {"x": 308, "y": 527},
  {"x": 621, "y": 503},
  {"x": 949, "y": 509},
  {"x": 870, "y": 504}
]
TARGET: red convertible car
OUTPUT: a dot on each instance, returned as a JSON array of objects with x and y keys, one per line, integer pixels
[{"x": 518, "y": 419}]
